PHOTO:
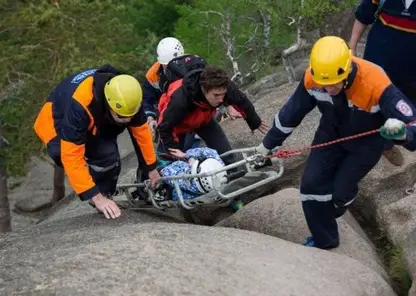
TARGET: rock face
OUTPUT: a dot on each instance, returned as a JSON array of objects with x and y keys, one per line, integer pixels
[
  {"x": 410, "y": 257},
  {"x": 76, "y": 208},
  {"x": 141, "y": 254},
  {"x": 400, "y": 218},
  {"x": 33, "y": 194},
  {"x": 31, "y": 198},
  {"x": 267, "y": 84},
  {"x": 386, "y": 185},
  {"x": 281, "y": 215},
  {"x": 383, "y": 202},
  {"x": 267, "y": 106},
  {"x": 339, "y": 24}
]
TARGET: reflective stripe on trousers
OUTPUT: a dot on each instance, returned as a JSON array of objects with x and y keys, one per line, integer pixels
[
  {"x": 99, "y": 169},
  {"x": 323, "y": 198}
]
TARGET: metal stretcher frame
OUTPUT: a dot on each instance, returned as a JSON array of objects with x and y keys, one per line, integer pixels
[{"x": 216, "y": 197}]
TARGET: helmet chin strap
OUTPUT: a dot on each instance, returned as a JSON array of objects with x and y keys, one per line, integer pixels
[
  {"x": 345, "y": 81},
  {"x": 114, "y": 119}
]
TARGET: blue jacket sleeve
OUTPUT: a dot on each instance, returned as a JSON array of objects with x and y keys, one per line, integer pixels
[
  {"x": 73, "y": 132},
  {"x": 289, "y": 117},
  {"x": 74, "y": 125},
  {"x": 151, "y": 97},
  {"x": 365, "y": 12},
  {"x": 394, "y": 104}
]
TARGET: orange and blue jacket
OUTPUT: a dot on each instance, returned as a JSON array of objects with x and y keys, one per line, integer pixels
[
  {"x": 77, "y": 111},
  {"x": 183, "y": 108},
  {"x": 152, "y": 89},
  {"x": 391, "y": 41},
  {"x": 366, "y": 102}
]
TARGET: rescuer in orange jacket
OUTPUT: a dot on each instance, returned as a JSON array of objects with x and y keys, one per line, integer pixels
[{"x": 79, "y": 124}]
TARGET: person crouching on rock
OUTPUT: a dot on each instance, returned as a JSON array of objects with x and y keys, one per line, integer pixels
[
  {"x": 195, "y": 161},
  {"x": 79, "y": 124},
  {"x": 354, "y": 96}
]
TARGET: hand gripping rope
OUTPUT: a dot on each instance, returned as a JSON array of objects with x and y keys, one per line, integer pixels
[{"x": 286, "y": 153}]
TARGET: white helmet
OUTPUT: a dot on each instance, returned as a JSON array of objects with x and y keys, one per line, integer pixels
[
  {"x": 168, "y": 49},
  {"x": 206, "y": 184}
]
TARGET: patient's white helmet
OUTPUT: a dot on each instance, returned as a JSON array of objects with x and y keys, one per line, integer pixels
[
  {"x": 207, "y": 184},
  {"x": 168, "y": 49}
]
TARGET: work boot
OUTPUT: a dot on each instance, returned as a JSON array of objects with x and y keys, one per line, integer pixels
[
  {"x": 394, "y": 156},
  {"x": 310, "y": 242}
]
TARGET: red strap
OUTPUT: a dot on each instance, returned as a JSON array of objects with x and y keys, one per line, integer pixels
[{"x": 286, "y": 153}]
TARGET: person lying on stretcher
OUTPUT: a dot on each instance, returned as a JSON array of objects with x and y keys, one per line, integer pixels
[{"x": 195, "y": 161}]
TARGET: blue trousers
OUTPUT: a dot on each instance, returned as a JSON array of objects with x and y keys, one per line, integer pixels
[
  {"x": 99, "y": 152},
  {"x": 330, "y": 184}
]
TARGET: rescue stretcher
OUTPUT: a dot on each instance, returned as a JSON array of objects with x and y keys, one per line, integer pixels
[{"x": 222, "y": 196}]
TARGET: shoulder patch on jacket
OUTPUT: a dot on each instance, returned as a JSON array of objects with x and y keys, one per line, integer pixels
[
  {"x": 81, "y": 76},
  {"x": 404, "y": 108}
]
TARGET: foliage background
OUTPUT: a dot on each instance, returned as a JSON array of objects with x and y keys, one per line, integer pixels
[{"x": 43, "y": 41}]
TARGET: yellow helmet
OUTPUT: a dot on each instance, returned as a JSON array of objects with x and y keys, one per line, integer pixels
[
  {"x": 124, "y": 95},
  {"x": 330, "y": 60}
]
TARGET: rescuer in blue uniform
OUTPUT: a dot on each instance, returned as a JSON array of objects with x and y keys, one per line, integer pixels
[
  {"x": 354, "y": 96},
  {"x": 391, "y": 44}
]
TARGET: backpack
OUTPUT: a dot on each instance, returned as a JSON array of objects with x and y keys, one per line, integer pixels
[{"x": 181, "y": 67}]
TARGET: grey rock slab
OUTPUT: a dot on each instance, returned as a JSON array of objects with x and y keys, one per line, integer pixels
[
  {"x": 268, "y": 82},
  {"x": 281, "y": 215},
  {"x": 33, "y": 193},
  {"x": 410, "y": 258},
  {"x": 77, "y": 256},
  {"x": 267, "y": 107}
]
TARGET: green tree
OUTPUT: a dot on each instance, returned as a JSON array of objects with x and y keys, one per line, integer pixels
[
  {"x": 41, "y": 43},
  {"x": 230, "y": 34},
  {"x": 157, "y": 16},
  {"x": 306, "y": 16},
  {"x": 249, "y": 32}
]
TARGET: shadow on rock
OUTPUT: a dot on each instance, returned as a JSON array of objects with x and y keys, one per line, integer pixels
[{"x": 281, "y": 215}]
